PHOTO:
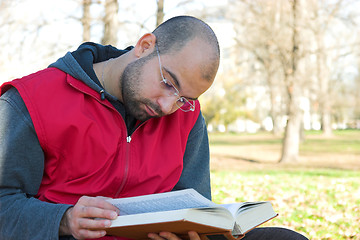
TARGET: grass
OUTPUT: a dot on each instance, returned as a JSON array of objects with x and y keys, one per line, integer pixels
[
  {"x": 320, "y": 203},
  {"x": 342, "y": 141},
  {"x": 239, "y": 139}
]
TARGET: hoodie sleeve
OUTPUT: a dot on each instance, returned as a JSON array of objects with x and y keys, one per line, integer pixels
[
  {"x": 196, "y": 170},
  {"x": 21, "y": 167}
]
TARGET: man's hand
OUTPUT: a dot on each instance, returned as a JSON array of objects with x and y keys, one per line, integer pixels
[
  {"x": 170, "y": 236},
  {"x": 80, "y": 219}
]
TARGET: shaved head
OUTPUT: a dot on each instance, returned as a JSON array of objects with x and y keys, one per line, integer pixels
[{"x": 173, "y": 34}]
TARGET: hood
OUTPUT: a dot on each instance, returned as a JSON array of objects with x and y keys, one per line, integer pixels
[{"x": 79, "y": 63}]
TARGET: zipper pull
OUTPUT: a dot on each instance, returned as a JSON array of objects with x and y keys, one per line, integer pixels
[
  {"x": 128, "y": 139},
  {"x": 102, "y": 94}
]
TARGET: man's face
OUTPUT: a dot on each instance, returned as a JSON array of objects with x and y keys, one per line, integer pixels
[
  {"x": 145, "y": 97},
  {"x": 135, "y": 102}
]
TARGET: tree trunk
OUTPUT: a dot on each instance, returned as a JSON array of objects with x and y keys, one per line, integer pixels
[
  {"x": 86, "y": 20},
  {"x": 291, "y": 142},
  {"x": 275, "y": 110},
  {"x": 160, "y": 12},
  {"x": 290, "y": 150},
  {"x": 110, "y": 22},
  {"x": 323, "y": 78},
  {"x": 326, "y": 121}
]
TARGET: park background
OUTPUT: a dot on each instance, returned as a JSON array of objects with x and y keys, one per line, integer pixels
[{"x": 283, "y": 114}]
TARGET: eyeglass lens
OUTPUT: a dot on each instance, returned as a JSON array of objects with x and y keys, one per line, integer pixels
[{"x": 182, "y": 102}]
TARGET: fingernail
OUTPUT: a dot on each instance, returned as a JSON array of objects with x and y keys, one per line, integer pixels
[
  {"x": 107, "y": 223},
  {"x": 113, "y": 215}
]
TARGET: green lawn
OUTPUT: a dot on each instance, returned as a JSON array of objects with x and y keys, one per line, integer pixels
[
  {"x": 321, "y": 203},
  {"x": 346, "y": 141}
]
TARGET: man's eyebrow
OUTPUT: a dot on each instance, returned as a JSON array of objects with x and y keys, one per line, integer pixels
[
  {"x": 177, "y": 84},
  {"x": 174, "y": 77},
  {"x": 192, "y": 99}
]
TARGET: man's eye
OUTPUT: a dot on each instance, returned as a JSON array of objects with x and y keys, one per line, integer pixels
[
  {"x": 167, "y": 83},
  {"x": 182, "y": 100}
]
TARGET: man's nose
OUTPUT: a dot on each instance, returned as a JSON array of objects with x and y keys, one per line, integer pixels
[{"x": 168, "y": 104}]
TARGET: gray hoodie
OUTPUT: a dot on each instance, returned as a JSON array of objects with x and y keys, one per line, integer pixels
[{"x": 22, "y": 216}]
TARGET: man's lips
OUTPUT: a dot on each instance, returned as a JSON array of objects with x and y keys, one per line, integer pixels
[{"x": 150, "y": 111}]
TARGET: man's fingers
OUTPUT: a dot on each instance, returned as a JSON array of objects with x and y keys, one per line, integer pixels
[
  {"x": 99, "y": 202},
  {"x": 94, "y": 212},
  {"x": 194, "y": 235},
  {"x": 86, "y": 228},
  {"x": 89, "y": 234},
  {"x": 87, "y": 215},
  {"x": 87, "y": 223},
  {"x": 163, "y": 235},
  {"x": 95, "y": 208},
  {"x": 171, "y": 236}
]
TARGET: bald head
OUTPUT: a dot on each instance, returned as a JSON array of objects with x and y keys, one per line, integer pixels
[{"x": 175, "y": 33}]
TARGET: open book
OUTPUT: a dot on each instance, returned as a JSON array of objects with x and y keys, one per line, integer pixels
[{"x": 183, "y": 211}]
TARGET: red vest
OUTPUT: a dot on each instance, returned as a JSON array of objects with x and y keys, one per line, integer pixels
[{"x": 84, "y": 140}]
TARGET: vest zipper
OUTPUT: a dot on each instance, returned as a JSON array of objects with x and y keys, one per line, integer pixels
[
  {"x": 126, "y": 168},
  {"x": 102, "y": 94},
  {"x": 128, "y": 140}
]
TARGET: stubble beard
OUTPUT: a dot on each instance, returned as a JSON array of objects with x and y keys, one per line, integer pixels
[{"x": 131, "y": 91}]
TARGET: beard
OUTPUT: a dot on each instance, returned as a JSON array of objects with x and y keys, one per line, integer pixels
[{"x": 131, "y": 82}]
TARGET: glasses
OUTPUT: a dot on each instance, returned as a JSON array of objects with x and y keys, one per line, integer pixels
[{"x": 182, "y": 103}]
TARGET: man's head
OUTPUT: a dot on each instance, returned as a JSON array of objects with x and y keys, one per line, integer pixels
[
  {"x": 182, "y": 52},
  {"x": 173, "y": 34}
]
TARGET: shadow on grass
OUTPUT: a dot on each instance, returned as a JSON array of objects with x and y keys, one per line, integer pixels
[
  {"x": 240, "y": 158},
  {"x": 234, "y": 163}
]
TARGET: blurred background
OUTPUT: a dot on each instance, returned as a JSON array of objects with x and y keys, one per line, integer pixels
[
  {"x": 283, "y": 114},
  {"x": 287, "y": 66}
]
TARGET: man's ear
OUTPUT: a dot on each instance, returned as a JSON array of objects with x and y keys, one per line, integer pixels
[{"x": 145, "y": 45}]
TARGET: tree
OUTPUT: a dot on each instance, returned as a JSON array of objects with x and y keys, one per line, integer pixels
[
  {"x": 111, "y": 22},
  {"x": 319, "y": 19},
  {"x": 225, "y": 106},
  {"x": 269, "y": 32},
  {"x": 160, "y": 12},
  {"x": 261, "y": 37},
  {"x": 28, "y": 38},
  {"x": 86, "y": 20},
  {"x": 291, "y": 142},
  {"x": 286, "y": 44}
]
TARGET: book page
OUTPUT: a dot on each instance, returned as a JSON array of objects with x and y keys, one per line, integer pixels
[
  {"x": 236, "y": 208},
  {"x": 175, "y": 200},
  {"x": 254, "y": 215},
  {"x": 232, "y": 207}
]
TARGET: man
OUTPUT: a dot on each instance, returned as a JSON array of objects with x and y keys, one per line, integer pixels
[{"x": 105, "y": 122}]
